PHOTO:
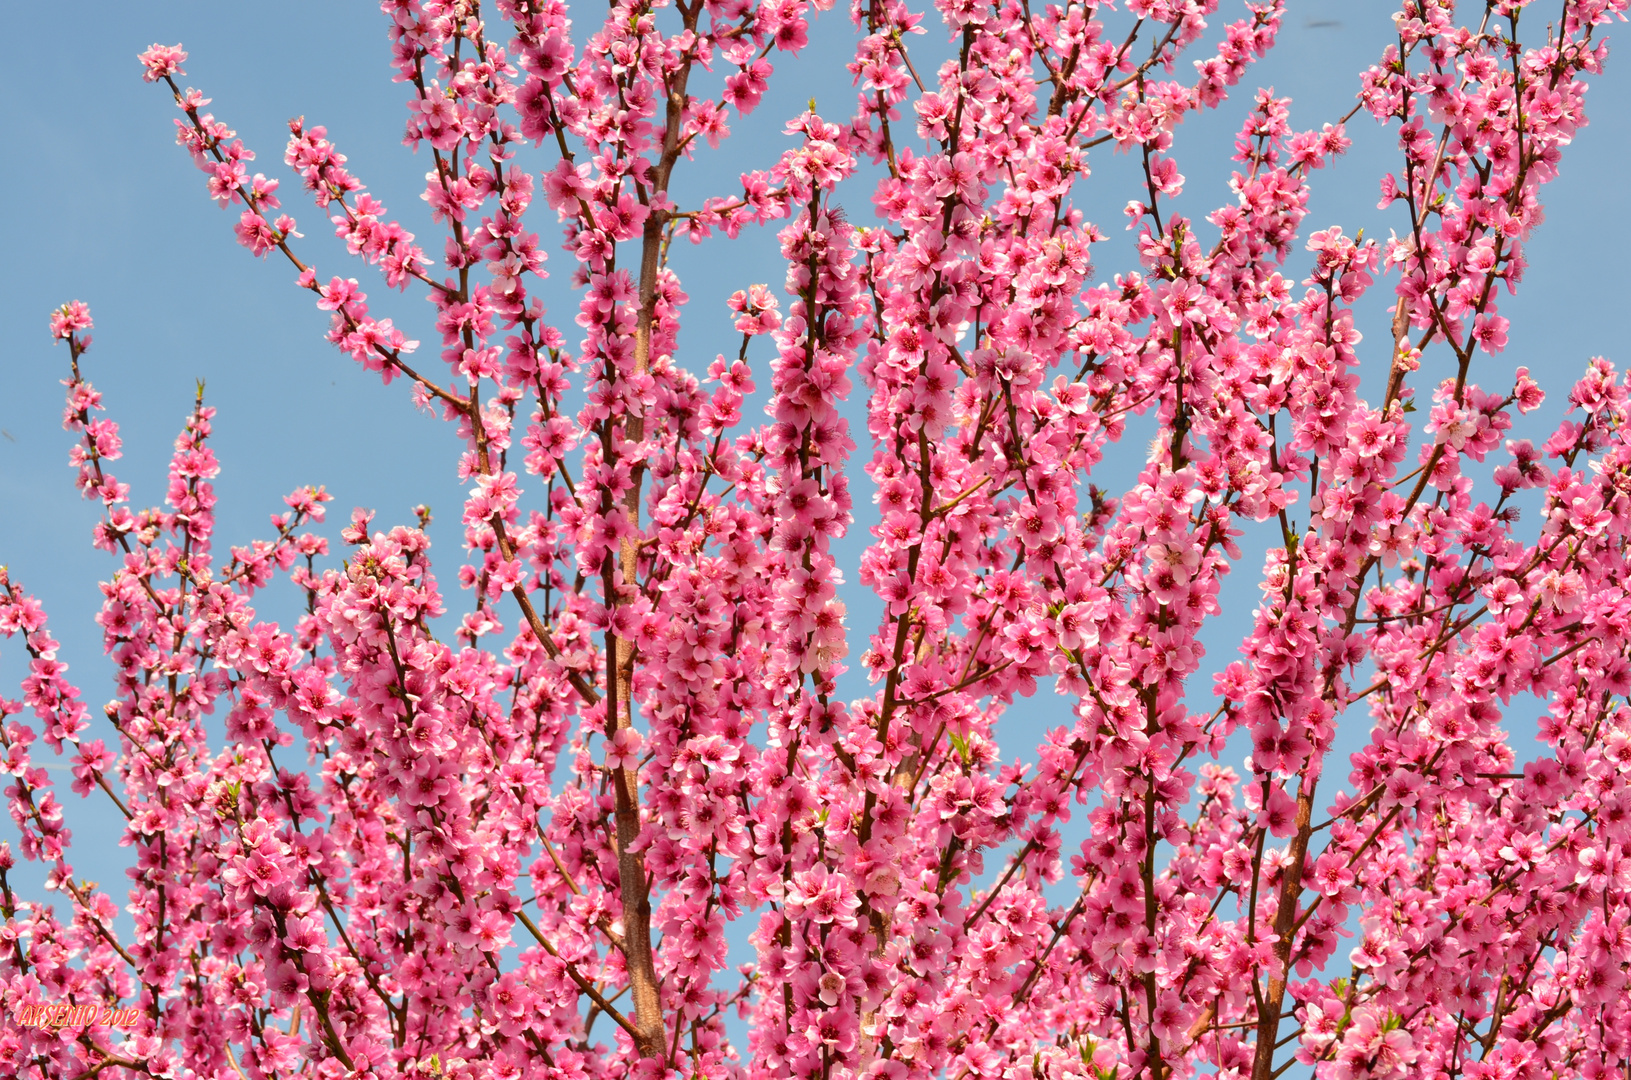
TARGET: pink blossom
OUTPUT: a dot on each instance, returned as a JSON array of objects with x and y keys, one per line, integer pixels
[
  {"x": 625, "y": 786},
  {"x": 162, "y": 61}
]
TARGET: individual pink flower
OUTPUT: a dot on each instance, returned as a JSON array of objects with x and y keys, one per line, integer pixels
[
  {"x": 162, "y": 61},
  {"x": 623, "y": 749},
  {"x": 69, "y": 319}
]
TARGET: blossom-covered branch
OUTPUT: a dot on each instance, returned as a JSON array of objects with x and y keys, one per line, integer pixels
[{"x": 521, "y": 840}]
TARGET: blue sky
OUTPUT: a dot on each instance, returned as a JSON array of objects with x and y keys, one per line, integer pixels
[{"x": 107, "y": 209}]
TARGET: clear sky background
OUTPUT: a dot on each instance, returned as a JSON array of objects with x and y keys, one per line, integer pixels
[{"x": 101, "y": 205}]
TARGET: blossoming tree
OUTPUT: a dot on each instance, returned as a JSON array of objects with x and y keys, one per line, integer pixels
[{"x": 514, "y": 843}]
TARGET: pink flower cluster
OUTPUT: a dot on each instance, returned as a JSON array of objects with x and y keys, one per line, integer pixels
[{"x": 516, "y": 835}]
